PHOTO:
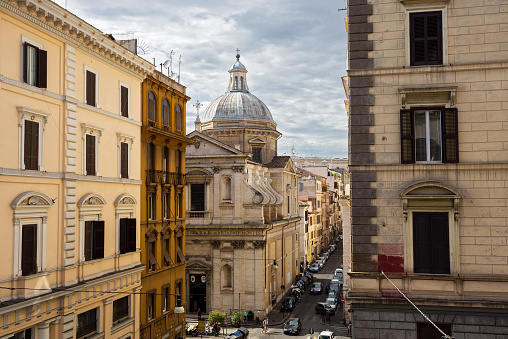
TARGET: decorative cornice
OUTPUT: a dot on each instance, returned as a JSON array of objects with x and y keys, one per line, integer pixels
[{"x": 216, "y": 243}]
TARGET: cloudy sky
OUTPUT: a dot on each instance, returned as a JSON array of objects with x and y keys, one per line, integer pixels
[{"x": 294, "y": 50}]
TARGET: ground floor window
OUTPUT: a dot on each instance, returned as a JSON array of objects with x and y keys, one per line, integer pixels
[
  {"x": 87, "y": 323},
  {"x": 120, "y": 309}
]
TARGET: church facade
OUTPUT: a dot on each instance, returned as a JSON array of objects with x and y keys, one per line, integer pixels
[{"x": 243, "y": 218}]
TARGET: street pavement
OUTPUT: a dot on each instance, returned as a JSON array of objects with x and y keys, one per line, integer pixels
[{"x": 303, "y": 310}]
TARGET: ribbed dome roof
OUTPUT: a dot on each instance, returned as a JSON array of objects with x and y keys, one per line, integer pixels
[
  {"x": 238, "y": 102},
  {"x": 237, "y": 105}
]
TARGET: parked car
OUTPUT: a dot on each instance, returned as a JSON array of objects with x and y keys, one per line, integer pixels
[
  {"x": 335, "y": 288},
  {"x": 326, "y": 335},
  {"x": 288, "y": 304},
  {"x": 324, "y": 309},
  {"x": 314, "y": 268},
  {"x": 335, "y": 281},
  {"x": 332, "y": 302},
  {"x": 333, "y": 295},
  {"x": 293, "y": 326},
  {"x": 317, "y": 288},
  {"x": 338, "y": 270}
]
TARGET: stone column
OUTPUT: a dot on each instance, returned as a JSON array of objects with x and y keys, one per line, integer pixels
[{"x": 43, "y": 330}]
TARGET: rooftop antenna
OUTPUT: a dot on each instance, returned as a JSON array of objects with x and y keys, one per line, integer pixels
[
  {"x": 293, "y": 148},
  {"x": 167, "y": 65}
]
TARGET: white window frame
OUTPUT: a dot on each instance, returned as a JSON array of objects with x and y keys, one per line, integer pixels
[
  {"x": 98, "y": 319},
  {"x": 94, "y": 131},
  {"x": 90, "y": 209},
  {"x": 130, "y": 141},
  {"x": 30, "y": 208},
  {"x": 120, "y": 85},
  {"x": 418, "y": 8},
  {"x": 129, "y": 316},
  {"x": 96, "y": 72},
  {"x": 41, "y": 118},
  {"x": 27, "y": 40}
]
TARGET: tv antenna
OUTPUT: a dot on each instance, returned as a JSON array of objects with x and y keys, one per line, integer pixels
[{"x": 143, "y": 47}]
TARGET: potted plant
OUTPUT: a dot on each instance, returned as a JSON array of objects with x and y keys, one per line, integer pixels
[
  {"x": 236, "y": 319},
  {"x": 217, "y": 317}
]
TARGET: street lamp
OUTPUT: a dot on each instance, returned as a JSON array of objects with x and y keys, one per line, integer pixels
[{"x": 179, "y": 308}]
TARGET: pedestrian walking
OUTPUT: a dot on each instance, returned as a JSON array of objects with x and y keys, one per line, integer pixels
[
  {"x": 264, "y": 326},
  {"x": 199, "y": 313},
  {"x": 258, "y": 322}
]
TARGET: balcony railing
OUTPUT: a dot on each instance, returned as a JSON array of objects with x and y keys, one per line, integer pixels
[{"x": 165, "y": 177}]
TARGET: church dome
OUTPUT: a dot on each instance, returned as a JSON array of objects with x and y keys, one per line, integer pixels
[{"x": 238, "y": 102}]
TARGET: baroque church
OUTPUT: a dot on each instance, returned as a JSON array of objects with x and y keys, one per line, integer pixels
[{"x": 243, "y": 218}]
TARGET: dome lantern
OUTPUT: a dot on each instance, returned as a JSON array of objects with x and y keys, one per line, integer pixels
[{"x": 238, "y": 76}]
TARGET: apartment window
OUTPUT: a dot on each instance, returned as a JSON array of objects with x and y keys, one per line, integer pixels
[
  {"x": 87, "y": 323},
  {"x": 91, "y": 136},
  {"x": 91, "y": 87},
  {"x": 94, "y": 239},
  {"x": 429, "y": 135},
  {"x": 166, "y": 204},
  {"x": 29, "y": 249},
  {"x": 197, "y": 197},
  {"x": 179, "y": 247},
  {"x": 151, "y": 206},
  {"x": 256, "y": 155},
  {"x": 25, "y": 334},
  {"x": 150, "y": 304},
  {"x": 428, "y": 331},
  {"x": 166, "y": 244},
  {"x": 178, "y": 205},
  {"x": 124, "y": 100},
  {"x": 178, "y": 117},
  {"x": 431, "y": 243},
  {"x": 165, "y": 298},
  {"x": 426, "y": 38},
  {"x": 127, "y": 235},
  {"x": 31, "y": 131},
  {"x": 35, "y": 65},
  {"x": 152, "y": 107},
  {"x": 124, "y": 160},
  {"x": 120, "y": 309},
  {"x": 166, "y": 113},
  {"x": 152, "y": 256},
  {"x": 151, "y": 156},
  {"x": 289, "y": 204}
]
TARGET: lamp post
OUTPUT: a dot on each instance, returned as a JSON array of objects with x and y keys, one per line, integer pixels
[{"x": 179, "y": 308}]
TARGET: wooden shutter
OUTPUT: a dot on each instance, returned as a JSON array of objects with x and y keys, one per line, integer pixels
[
  {"x": 124, "y": 160},
  {"x": 167, "y": 256},
  {"x": 29, "y": 249},
  {"x": 165, "y": 114},
  {"x": 152, "y": 106},
  {"x": 90, "y": 154},
  {"x": 422, "y": 246},
  {"x": 42, "y": 69},
  {"x": 450, "y": 135},
  {"x": 131, "y": 235},
  {"x": 25, "y": 61},
  {"x": 431, "y": 243},
  {"x": 178, "y": 115},
  {"x": 98, "y": 239},
  {"x": 179, "y": 252},
  {"x": 440, "y": 243},
  {"x": 124, "y": 101},
  {"x": 426, "y": 41},
  {"x": 31, "y": 151},
  {"x": 90, "y": 88},
  {"x": 123, "y": 235},
  {"x": 88, "y": 239},
  {"x": 407, "y": 138}
]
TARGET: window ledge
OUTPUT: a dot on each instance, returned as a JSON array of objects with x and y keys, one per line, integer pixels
[
  {"x": 32, "y": 276},
  {"x": 95, "y": 336},
  {"x": 121, "y": 325}
]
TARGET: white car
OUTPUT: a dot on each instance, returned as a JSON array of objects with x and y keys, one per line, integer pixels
[
  {"x": 326, "y": 335},
  {"x": 332, "y": 302}
]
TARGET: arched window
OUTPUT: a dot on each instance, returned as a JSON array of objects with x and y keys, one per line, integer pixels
[
  {"x": 226, "y": 277},
  {"x": 165, "y": 113},
  {"x": 178, "y": 117},
  {"x": 236, "y": 83},
  {"x": 152, "y": 107},
  {"x": 241, "y": 83},
  {"x": 226, "y": 188}
]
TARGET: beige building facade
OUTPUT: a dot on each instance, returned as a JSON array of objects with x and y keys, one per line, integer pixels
[
  {"x": 429, "y": 166},
  {"x": 243, "y": 214},
  {"x": 70, "y": 99}
]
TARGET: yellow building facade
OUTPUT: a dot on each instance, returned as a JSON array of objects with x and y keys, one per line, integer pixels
[
  {"x": 71, "y": 127},
  {"x": 163, "y": 210}
]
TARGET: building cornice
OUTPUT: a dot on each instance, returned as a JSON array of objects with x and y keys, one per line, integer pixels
[{"x": 63, "y": 24}]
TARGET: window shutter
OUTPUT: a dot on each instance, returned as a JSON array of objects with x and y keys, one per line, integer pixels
[
  {"x": 124, "y": 101},
  {"x": 25, "y": 65},
  {"x": 450, "y": 135},
  {"x": 426, "y": 38},
  {"x": 407, "y": 139},
  {"x": 88, "y": 239},
  {"x": 90, "y": 154},
  {"x": 131, "y": 235},
  {"x": 422, "y": 243},
  {"x": 31, "y": 151},
  {"x": 440, "y": 243},
  {"x": 165, "y": 115},
  {"x": 181, "y": 257},
  {"x": 42, "y": 72},
  {"x": 98, "y": 239},
  {"x": 90, "y": 88},
  {"x": 124, "y": 160},
  {"x": 123, "y": 236},
  {"x": 29, "y": 250}
]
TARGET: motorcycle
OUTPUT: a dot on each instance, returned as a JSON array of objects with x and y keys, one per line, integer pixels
[{"x": 191, "y": 329}]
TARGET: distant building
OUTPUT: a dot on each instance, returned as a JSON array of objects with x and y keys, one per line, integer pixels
[
  {"x": 162, "y": 204},
  {"x": 70, "y": 140},
  {"x": 428, "y": 158},
  {"x": 243, "y": 214}
]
